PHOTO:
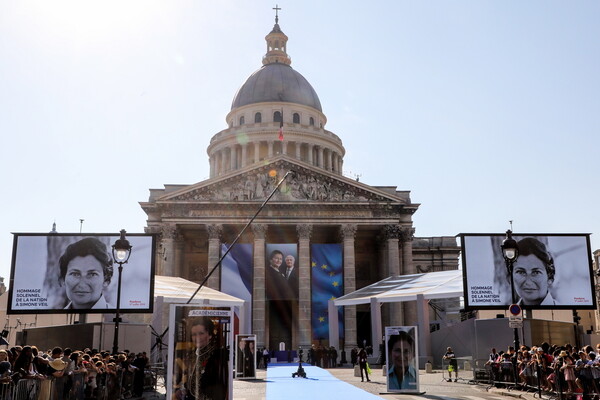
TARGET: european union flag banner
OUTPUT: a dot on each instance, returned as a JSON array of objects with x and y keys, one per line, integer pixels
[
  {"x": 327, "y": 273},
  {"x": 236, "y": 278}
]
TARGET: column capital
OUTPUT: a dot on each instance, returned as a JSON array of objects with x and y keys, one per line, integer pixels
[
  {"x": 407, "y": 233},
  {"x": 169, "y": 231},
  {"x": 348, "y": 231},
  {"x": 156, "y": 229},
  {"x": 392, "y": 232},
  {"x": 260, "y": 230},
  {"x": 214, "y": 231},
  {"x": 304, "y": 231}
]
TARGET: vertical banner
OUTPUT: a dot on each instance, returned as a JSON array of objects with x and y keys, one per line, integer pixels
[
  {"x": 281, "y": 293},
  {"x": 200, "y": 359},
  {"x": 281, "y": 271},
  {"x": 237, "y": 278},
  {"x": 245, "y": 356},
  {"x": 327, "y": 282},
  {"x": 401, "y": 349}
]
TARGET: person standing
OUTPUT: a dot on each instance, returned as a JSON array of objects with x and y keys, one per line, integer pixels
[
  {"x": 450, "y": 357},
  {"x": 353, "y": 356},
  {"x": 266, "y": 357},
  {"x": 140, "y": 364},
  {"x": 362, "y": 363}
]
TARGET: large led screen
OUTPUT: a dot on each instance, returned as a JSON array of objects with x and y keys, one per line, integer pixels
[
  {"x": 552, "y": 271},
  {"x": 76, "y": 273}
]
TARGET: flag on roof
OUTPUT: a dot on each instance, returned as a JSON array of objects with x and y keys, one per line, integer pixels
[{"x": 281, "y": 126}]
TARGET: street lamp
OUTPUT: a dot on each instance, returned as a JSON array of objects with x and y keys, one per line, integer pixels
[
  {"x": 121, "y": 251},
  {"x": 510, "y": 251}
]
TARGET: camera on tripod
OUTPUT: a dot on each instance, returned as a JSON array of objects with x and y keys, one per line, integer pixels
[{"x": 300, "y": 372}]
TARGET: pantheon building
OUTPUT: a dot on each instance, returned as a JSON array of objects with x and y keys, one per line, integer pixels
[{"x": 350, "y": 232}]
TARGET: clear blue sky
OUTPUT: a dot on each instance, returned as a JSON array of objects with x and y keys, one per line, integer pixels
[{"x": 487, "y": 111}]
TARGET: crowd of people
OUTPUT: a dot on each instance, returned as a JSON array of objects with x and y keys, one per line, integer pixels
[
  {"x": 67, "y": 374},
  {"x": 562, "y": 369},
  {"x": 322, "y": 356}
]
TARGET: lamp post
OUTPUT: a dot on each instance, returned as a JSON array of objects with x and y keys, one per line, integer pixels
[
  {"x": 121, "y": 251},
  {"x": 510, "y": 251}
]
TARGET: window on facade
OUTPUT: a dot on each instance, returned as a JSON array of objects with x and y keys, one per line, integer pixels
[
  {"x": 242, "y": 120},
  {"x": 311, "y": 121},
  {"x": 257, "y": 118},
  {"x": 296, "y": 118},
  {"x": 277, "y": 116}
]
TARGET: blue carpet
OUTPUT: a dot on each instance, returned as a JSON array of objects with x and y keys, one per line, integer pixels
[{"x": 319, "y": 384}]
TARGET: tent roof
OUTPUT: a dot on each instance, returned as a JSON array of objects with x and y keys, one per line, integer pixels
[
  {"x": 179, "y": 290},
  {"x": 432, "y": 285}
]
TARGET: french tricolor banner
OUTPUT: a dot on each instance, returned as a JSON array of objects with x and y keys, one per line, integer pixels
[{"x": 236, "y": 278}]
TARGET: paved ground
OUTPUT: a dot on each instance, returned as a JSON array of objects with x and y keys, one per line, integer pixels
[{"x": 434, "y": 385}]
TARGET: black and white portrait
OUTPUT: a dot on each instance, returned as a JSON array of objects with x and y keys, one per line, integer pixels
[{"x": 551, "y": 271}]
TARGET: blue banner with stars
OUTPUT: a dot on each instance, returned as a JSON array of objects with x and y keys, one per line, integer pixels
[{"x": 327, "y": 282}]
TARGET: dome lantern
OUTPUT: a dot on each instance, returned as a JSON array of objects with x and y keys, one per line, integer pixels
[{"x": 276, "y": 45}]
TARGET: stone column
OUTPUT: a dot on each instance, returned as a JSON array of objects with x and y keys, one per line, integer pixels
[
  {"x": 214, "y": 253},
  {"x": 392, "y": 235},
  {"x": 320, "y": 157},
  {"x": 341, "y": 167},
  {"x": 348, "y": 231},
  {"x": 256, "y": 152},
  {"x": 334, "y": 165},
  {"x": 233, "y": 158},
  {"x": 330, "y": 160},
  {"x": 310, "y": 153},
  {"x": 259, "y": 315},
  {"x": 244, "y": 154},
  {"x": 223, "y": 158},
  {"x": 181, "y": 269},
  {"x": 212, "y": 165},
  {"x": 410, "y": 308},
  {"x": 304, "y": 304},
  {"x": 298, "y": 150},
  {"x": 284, "y": 147},
  {"x": 270, "y": 144},
  {"x": 169, "y": 234}
]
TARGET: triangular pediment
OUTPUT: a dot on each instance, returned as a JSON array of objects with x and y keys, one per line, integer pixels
[{"x": 305, "y": 183}]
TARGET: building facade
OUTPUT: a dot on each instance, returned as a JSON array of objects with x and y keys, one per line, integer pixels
[{"x": 276, "y": 125}]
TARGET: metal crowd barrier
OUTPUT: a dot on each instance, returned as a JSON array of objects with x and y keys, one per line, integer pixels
[
  {"x": 6, "y": 389},
  {"x": 73, "y": 387},
  {"x": 551, "y": 384},
  {"x": 463, "y": 370}
]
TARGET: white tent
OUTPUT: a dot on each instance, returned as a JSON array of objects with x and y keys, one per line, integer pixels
[
  {"x": 432, "y": 285},
  {"x": 417, "y": 287},
  {"x": 173, "y": 289}
]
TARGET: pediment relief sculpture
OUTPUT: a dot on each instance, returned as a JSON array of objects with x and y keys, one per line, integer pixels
[{"x": 303, "y": 185}]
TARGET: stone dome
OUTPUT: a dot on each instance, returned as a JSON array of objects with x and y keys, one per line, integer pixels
[
  {"x": 276, "y": 112},
  {"x": 276, "y": 82}
]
